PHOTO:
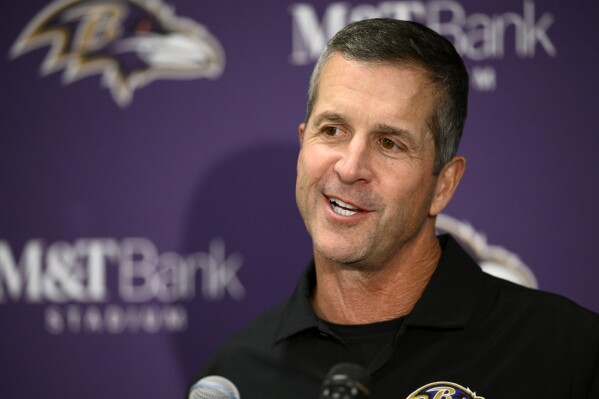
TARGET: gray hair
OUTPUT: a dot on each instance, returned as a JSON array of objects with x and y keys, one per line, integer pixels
[{"x": 409, "y": 43}]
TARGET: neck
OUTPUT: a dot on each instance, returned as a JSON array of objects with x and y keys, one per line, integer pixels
[{"x": 349, "y": 295}]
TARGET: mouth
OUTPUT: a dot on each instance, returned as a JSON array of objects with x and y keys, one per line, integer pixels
[{"x": 343, "y": 208}]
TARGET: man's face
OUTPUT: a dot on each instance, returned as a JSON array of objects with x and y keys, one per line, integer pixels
[{"x": 365, "y": 170}]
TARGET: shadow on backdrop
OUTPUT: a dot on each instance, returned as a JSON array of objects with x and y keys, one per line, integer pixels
[{"x": 246, "y": 203}]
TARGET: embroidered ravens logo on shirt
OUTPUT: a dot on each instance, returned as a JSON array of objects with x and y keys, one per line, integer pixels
[
  {"x": 128, "y": 42},
  {"x": 443, "y": 390}
]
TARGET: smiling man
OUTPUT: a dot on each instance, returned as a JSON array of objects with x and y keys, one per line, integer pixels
[
  {"x": 367, "y": 189},
  {"x": 377, "y": 163}
]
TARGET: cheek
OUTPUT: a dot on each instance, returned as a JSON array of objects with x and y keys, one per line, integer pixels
[
  {"x": 407, "y": 190},
  {"x": 312, "y": 165},
  {"x": 302, "y": 171},
  {"x": 306, "y": 176}
]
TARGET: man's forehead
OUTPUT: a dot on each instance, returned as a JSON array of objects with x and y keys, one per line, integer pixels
[
  {"x": 398, "y": 63},
  {"x": 383, "y": 88},
  {"x": 408, "y": 77}
]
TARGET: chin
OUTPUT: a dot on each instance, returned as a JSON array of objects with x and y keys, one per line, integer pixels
[
  {"x": 346, "y": 254},
  {"x": 337, "y": 252}
]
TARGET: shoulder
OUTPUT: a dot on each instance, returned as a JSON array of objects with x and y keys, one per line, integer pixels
[
  {"x": 537, "y": 303},
  {"x": 261, "y": 332},
  {"x": 258, "y": 343},
  {"x": 251, "y": 357},
  {"x": 530, "y": 324},
  {"x": 254, "y": 340},
  {"x": 541, "y": 315}
]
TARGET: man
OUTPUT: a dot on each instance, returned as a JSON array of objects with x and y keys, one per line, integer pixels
[{"x": 377, "y": 163}]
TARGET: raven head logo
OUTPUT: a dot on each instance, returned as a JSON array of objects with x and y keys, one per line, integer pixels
[
  {"x": 129, "y": 43},
  {"x": 443, "y": 390}
]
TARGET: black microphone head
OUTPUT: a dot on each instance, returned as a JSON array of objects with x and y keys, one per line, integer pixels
[
  {"x": 346, "y": 381},
  {"x": 213, "y": 387}
]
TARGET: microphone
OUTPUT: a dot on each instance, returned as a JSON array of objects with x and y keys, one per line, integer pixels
[
  {"x": 213, "y": 387},
  {"x": 346, "y": 381}
]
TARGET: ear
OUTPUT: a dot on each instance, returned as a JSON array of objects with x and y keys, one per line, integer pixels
[
  {"x": 447, "y": 182},
  {"x": 301, "y": 129}
]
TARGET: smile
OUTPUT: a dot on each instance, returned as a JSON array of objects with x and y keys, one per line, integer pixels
[{"x": 343, "y": 208}]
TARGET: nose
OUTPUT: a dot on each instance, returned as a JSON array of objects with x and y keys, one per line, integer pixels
[{"x": 354, "y": 163}]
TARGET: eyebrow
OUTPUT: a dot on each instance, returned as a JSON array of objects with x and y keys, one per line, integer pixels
[{"x": 328, "y": 117}]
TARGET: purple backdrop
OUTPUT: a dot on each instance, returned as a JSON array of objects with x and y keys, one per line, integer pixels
[{"x": 135, "y": 238}]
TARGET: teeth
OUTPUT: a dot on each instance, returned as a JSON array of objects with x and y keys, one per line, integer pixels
[
  {"x": 343, "y": 204},
  {"x": 342, "y": 208},
  {"x": 343, "y": 212}
]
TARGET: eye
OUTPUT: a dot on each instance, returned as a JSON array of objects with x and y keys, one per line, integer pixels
[
  {"x": 388, "y": 144},
  {"x": 331, "y": 131}
]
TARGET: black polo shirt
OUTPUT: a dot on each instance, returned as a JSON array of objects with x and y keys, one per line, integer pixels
[{"x": 470, "y": 335}]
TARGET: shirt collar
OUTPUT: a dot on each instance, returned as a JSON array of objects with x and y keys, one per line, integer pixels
[
  {"x": 447, "y": 301},
  {"x": 298, "y": 314},
  {"x": 452, "y": 293}
]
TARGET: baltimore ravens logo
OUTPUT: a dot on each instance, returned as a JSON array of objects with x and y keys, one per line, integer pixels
[
  {"x": 443, "y": 390},
  {"x": 129, "y": 43}
]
